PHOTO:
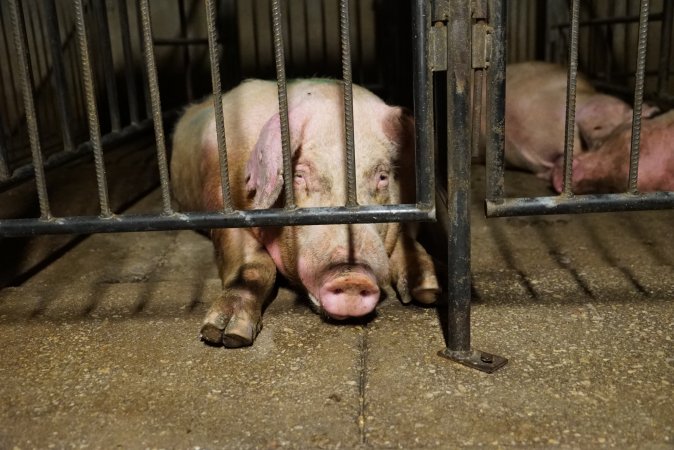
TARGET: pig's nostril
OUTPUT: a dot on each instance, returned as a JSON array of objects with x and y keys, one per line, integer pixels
[
  {"x": 338, "y": 291},
  {"x": 364, "y": 293}
]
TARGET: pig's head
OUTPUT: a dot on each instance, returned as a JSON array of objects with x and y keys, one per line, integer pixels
[
  {"x": 342, "y": 267},
  {"x": 600, "y": 171},
  {"x": 600, "y": 115}
]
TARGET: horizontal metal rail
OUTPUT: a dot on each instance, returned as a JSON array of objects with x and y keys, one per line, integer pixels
[
  {"x": 576, "y": 204},
  {"x": 196, "y": 221}
]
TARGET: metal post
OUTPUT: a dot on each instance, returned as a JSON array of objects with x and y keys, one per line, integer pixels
[
  {"x": 458, "y": 189},
  {"x": 423, "y": 105}
]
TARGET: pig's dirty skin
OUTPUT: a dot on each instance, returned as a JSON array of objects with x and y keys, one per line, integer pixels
[
  {"x": 606, "y": 169},
  {"x": 535, "y": 115},
  {"x": 343, "y": 268}
]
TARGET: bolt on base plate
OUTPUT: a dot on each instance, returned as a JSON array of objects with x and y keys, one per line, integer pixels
[{"x": 475, "y": 359}]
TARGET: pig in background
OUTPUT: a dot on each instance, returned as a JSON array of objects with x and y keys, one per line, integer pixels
[
  {"x": 343, "y": 268},
  {"x": 535, "y": 116},
  {"x": 606, "y": 167}
]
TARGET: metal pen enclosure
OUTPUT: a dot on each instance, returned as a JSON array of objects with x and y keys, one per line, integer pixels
[{"x": 455, "y": 45}]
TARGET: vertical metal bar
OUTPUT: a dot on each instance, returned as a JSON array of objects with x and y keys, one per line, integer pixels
[
  {"x": 131, "y": 94},
  {"x": 458, "y": 176},
  {"x": 345, "y": 40},
  {"x": 59, "y": 74},
  {"x": 29, "y": 106},
  {"x": 666, "y": 36},
  {"x": 423, "y": 104},
  {"x": 638, "y": 95},
  {"x": 495, "y": 132},
  {"x": 92, "y": 110},
  {"x": 186, "y": 49},
  {"x": 101, "y": 16},
  {"x": 279, "y": 59},
  {"x": 145, "y": 49},
  {"x": 214, "y": 52},
  {"x": 4, "y": 167},
  {"x": 150, "y": 66},
  {"x": 571, "y": 98},
  {"x": 12, "y": 79}
]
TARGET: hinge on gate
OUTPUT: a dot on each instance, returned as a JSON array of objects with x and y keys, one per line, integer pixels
[
  {"x": 481, "y": 46},
  {"x": 438, "y": 47},
  {"x": 481, "y": 35},
  {"x": 438, "y": 35}
]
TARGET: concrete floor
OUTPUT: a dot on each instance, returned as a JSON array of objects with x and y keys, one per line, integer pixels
[{"x": 101, "y": 349}]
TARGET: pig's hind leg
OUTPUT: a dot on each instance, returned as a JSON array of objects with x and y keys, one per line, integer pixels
[
  {"x": 248, "y": 275},
  {"x": 413, "y": 271}
]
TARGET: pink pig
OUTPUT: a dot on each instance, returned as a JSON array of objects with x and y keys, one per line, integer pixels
[
  {"x": 606, "y": 168},
  {"x": 535, "y": 115},
  {"x": 343, "y": 268}
]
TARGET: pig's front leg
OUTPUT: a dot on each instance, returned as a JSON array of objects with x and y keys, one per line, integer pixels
[
  {"x": 248, "y": 274},
  {"x": 413, "y": 271}
]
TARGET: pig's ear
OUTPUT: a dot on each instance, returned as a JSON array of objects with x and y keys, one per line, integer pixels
[
  {"x": 264, "y": 170},
  {"x": 648, "y": 111},
  {"x": 399, "y": 129}
]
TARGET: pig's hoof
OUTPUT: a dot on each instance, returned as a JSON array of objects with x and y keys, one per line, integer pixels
[
  {"x": 240, "y": 332},
  {"x": 427, "y": 291},
  {"x": 211, "y": 330},
  {"x": 211, "y": 334},
  {"x": 426, "y": 296}
]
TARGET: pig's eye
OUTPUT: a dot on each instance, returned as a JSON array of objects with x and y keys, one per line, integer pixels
[
  {"x": 382, "y": 180},
  {"x": 300, "y": 179}
]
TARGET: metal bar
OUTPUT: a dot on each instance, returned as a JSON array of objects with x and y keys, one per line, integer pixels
[
  {"x": 92, "y": 110},
  {"x": 12, "y": 80},
  {"x": 131, "y": 93},
  {"x": 611, "y": 20},
  {"x": 29, "y": 107},
  {"x": 580, "y": 204},
  {"x": 197, "y": 221},
  {"x": 59, "y": 74},
  {"x": 423, "y": 104},
  {"x": 345, "y": 40},
  {"x": 571, "y": 98},
  {"x": 186, "y": 49},
  {"x": 279, "y": 59},
  {"x": 458, "y": 176},
  {"x": 103, "y": 31},
  {"x": 143, "y": 71},
  {"x": 151, "y": 68},
  {"x": 108, "y": 142},
  {"x": 638, "y": 97},
  {"x": 214, "y": 53},
  {"x": 495, "y": 132},
  {"x": 666, "y": 35}
]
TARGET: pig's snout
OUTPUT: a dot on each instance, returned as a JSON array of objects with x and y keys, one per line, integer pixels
[{"x": 351, "y": 292}]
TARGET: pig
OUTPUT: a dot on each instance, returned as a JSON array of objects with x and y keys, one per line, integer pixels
[
  {"x": 535, "y": 115},
  {"x": 343, "y": 268},
  {"x": 606, "y": 169}
]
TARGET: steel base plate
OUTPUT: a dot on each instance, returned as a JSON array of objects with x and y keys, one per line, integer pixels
[{"x": 475, "y": 359}]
